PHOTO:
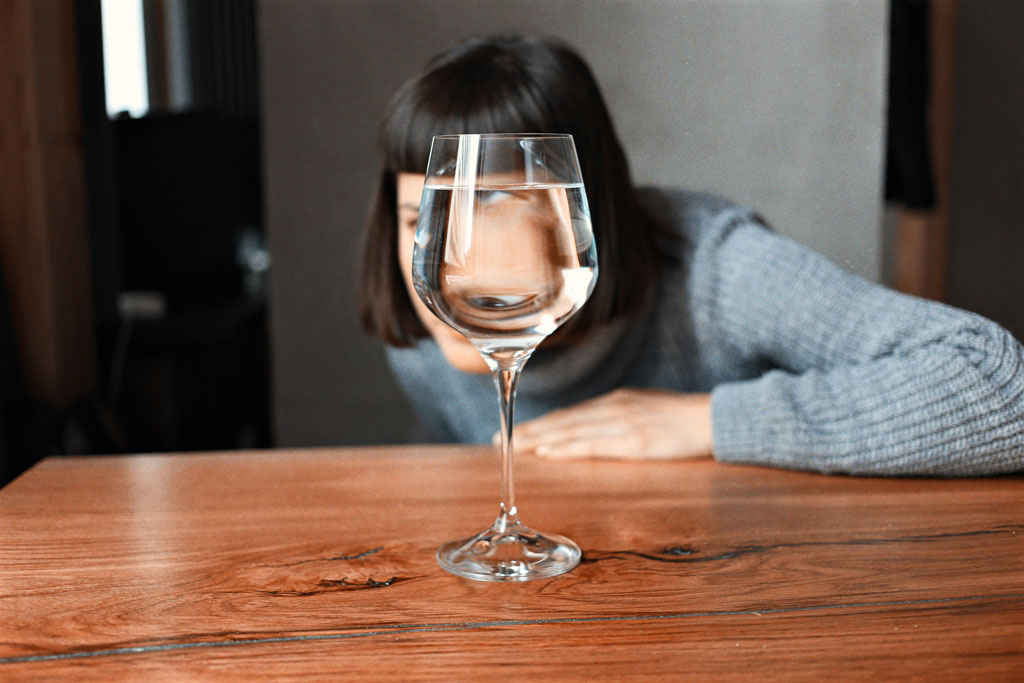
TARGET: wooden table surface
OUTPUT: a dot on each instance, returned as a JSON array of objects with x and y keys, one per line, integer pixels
[{"x": 320, "y": 564}]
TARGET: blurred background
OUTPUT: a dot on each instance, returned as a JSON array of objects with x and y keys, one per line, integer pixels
[{"x": 183, "y": 183}]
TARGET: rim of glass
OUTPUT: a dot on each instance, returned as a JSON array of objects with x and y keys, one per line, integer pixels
[{"x": 493, "y": 136}]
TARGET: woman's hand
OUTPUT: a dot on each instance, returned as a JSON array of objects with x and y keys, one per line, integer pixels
[{"x": 625, "y": 423}]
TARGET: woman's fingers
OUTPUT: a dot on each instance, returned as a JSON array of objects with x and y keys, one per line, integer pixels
[
  {"x": 576, "y": 423},
  {"x": 627, "y": 423}
]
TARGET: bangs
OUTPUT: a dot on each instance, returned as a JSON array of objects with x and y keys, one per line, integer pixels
[{"x": 481, "y": 100}]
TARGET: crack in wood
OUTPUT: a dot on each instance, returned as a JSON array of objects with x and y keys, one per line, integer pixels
[
  {"x": 369, "y": 583},
  {"x": 682, "y": 554},
  {"x": 357, "y": 556},
  {"x": 342, "y": 584}
]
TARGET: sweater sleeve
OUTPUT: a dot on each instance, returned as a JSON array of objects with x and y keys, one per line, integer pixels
[{"x": 865, "y": 380}]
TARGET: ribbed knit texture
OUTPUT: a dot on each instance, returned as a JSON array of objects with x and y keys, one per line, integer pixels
[{"x": 809, "y": 367}]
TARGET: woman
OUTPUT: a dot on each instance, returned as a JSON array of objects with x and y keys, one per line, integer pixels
[{"x": 707, "y": 334}]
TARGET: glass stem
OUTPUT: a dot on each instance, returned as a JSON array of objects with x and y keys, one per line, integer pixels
[{"x": 506, "y": 377}]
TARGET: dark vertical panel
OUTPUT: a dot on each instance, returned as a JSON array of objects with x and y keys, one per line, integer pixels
[
  {"x": 154, "y": 17},
  {"x": 43, "y": 230},
  {"x": 101, "y": 190},
  {"x": 224, "y": 55},
  {"x": 987, "y": 232},
  {"x": 43, "y": 234}
]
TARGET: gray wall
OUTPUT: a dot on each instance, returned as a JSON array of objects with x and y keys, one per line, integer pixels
[
  {"x": 776, "y": 103},
  {"x": 986, "y": 268}
]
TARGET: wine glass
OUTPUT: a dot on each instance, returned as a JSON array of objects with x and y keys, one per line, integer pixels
[{"x": 504, "y": 253}]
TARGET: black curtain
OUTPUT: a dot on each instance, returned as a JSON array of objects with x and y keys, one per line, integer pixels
[{"x": 908, "y": 169}]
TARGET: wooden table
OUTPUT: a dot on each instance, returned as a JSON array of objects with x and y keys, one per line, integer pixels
[{"x": 320, "y": 563}]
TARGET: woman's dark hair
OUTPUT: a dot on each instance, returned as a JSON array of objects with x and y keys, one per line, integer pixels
[{"x": 509, "y": 84}]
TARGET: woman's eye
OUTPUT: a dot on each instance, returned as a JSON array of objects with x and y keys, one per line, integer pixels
[{"x": 488, "y": 196}]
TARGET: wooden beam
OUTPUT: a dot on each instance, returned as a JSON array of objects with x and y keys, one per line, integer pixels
[{"x": 44, "y": 245}]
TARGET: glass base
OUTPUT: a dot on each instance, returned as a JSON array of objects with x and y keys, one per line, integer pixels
[{"x": 509, "y": 551}]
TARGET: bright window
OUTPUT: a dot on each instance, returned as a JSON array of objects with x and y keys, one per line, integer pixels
[{"x": 124, "y": 57}]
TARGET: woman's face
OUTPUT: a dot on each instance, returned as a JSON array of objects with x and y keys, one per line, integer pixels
[{"x": 456, "y": 348}]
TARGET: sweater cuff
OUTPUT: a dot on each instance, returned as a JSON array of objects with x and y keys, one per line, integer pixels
[{"x": 740, "y": 432}]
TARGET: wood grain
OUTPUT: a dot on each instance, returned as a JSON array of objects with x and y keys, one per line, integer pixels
[{"x": 320, "y": 563}]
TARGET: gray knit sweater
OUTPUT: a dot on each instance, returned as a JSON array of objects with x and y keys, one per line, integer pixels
[{"x": 808, "y": 366}]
